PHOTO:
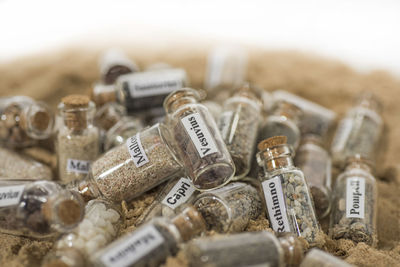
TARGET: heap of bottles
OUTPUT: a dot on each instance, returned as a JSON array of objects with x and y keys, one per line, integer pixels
[{"x": 224, "y": 160}]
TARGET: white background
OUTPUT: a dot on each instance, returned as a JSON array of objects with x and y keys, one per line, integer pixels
[{"x": 364, "y": 34}]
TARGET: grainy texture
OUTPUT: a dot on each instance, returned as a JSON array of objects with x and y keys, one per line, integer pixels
[{"x": 328, "y": 83}]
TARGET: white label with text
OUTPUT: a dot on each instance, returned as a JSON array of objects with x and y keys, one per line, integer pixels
[
  {"x": 355, "y": 197},
  {"x": 78, "y": 166},
  {"x": 276, "y": 204},
  {"x": 179, "y": 194},
  {"x": 199, "y": 134},
  {"x": 136, "y": 151},
  {"x": 10, "y": 195},
  {"x": 133, "y": 248},
  {"x": 152, "y": 83}
]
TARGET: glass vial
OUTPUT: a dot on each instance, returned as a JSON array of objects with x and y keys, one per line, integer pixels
[
  {"x": 244, "y": 249},
  {"x": 214, "y": 108},
  {"x": 284, "y": 120},
  {"x": 198, "y": 141},
  {"x": 318, "y": 258},
  {"x": 39, "y": 209},
  {"x": 174, "y": 197},
  {"x": 23, "y": 121},
  {"x": 355, "y": 203},
  {"x": 14, "y": 165},
  {"x": 288, "y": 200},
  {"x": 359, "y": 132},
  {"x": 77, "y": 142},
  {"x": 142, "y": 91},
  {"x": 315, "y": 162},
  {"x": 121, "y": 131},
  {"x": 108, "y": 115},
  {"x": 128, "y": 170},
  {"x": 113, "y": 64},
  {"x": 229, "y": 208},
  {"x": 99, "y": 227},
  {"x": 238, "y": 125},
  {"x": 152, "y": 243}
]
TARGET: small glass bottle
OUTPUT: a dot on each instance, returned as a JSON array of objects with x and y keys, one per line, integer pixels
[
  {"x": 284, "y": 120},
  {"x": 40, "y": 209},
  {"x": 173, "y": 198},
  {"x": 238, "y": 125},
  {"x": 152, "y": 243},
  {"x": 77, "y": 141},
  {"x": 14, "y": 165},
  {"x": 354, "y": 207},
  {"x": 230, "y": 208},
  {"x": 214, "y": 108},
  {"x": 99, "y": 227},
  {"x": 318, "y": 258},
  {"x": 245, "y": 249},
  {"x": 142, "y": 91},
  {"x": 226, "y": 71},
  {"x": 23, "y": 121},
  {"x": 121, "y": 131},
  {"x": 359, "y": 132},
  {"x": 198, "y": 141},
  {"x": 128, "y": 170},
  {"x": 115, "y": 63},
  {"x": 315, "y": 162},
  {"x": 288, "y": 200},
  {"x": 108, "y": 115}
]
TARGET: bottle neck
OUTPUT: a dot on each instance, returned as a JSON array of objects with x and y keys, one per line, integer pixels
[
  {"x": 275, "y": 158},
  {"x": 287, "y": 110},
  {"x": 189, "y": 223},
  {"x": 86, "y": 188},
  {"x": 293, "y": 249},
  {"x": 77, "y": 119},
  {"x": 182, "y": 97}
]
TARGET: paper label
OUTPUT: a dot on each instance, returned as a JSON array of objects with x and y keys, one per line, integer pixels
[
  {"x": 276, "y": 204},
  {"x": 199, "y": 134},
  {"x": 78, "y": 166},
  {"x": 10, "y": 195},
  {"x": 342, "y": 134},
  {"x": 355, "y": 197},
  {"x": 151, "y": 83},
  {"x": 136, "y": 151},
  {"x": 133, "y": 248},
  {"x": 225, "y": 123},
  {"x": 179, "y": 194}
]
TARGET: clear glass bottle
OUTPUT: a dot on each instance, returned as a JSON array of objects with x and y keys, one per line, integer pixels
[
  {"x": 39, "y": 209},
  {"x": 115, "y": 63},
  {"x": 77, "y": 143},
  {"x": 229, "y": 208},
  {"x": 15, "y": 165},
  {"x": 23, "y": 121},
  {"x": 238, "y": 125},
  {"x": 288, "y": 199},
  {"x": 359, "y": 132},
  {"x": 284, "y": 120},
  {"x": 214, "y": 108},
  {"x": 142, "y": 91},
  {"x": 198, "y": 141},
  {"x": 226, "y": 71},
  {"x": 318, "y": 258},
  {"x": 315, "y": 162},
  {"x": 173, "y": 198},
  {"x": 245, "y": 249},
  {"x": 152, "y": 243},
  {"x": 121, "y": 131},
  {"x": 354, "y": 210},
  {"x": 102, "y": 94},
  {"x": 108, "y": 115},
  {"x": 98, "y": 228},
  {"x": 128, "y": 170}
]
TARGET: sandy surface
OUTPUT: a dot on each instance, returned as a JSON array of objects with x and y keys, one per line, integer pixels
[{"x": 329, "y": 83}]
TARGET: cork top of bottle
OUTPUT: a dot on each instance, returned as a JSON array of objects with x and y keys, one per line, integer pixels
[
  {"x": 41, "y": 120},
  {"x": 271, "y": 142},
  {"x": 181, "y": 97},
  {"x": 360, "y": 161},
  {"x": 293, "y": 248},
  {"x": 69, "y": 211},
  {"x": 76, "y": 101},
  {"x": 189, "y": 223}
]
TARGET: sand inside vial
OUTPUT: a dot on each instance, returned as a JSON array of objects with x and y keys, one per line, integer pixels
[{"x": 328, "y": 83}]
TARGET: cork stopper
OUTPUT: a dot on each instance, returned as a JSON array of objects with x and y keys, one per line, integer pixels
[
  {"x": 271, "y": 142},
  {"x": 41, "y": 120},
  {"x": 293, "y": 248},
  {"x": 69, "y": 212},
  {"x": 359, "y": 161},
  {"x": 75, "y": 101},
  {"x": 181, "y": 97},
  {"x": 189, "y": 223},
  {"x": 75, "y": 108}
]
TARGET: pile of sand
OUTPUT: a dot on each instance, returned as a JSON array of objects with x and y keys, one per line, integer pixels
[{"x": 328, "y": 83}]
